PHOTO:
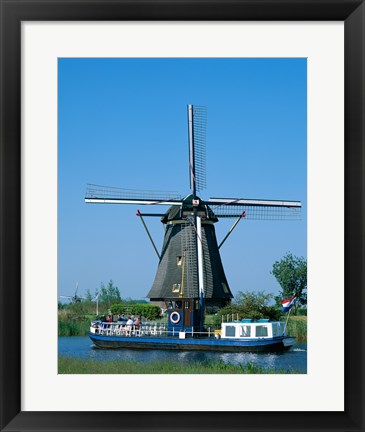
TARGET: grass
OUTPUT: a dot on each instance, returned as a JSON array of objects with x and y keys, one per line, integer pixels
[{"x": 67, "y": 365}]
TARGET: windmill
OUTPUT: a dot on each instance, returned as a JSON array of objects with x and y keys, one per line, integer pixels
[
  {"x": 75, "y": 298},
  {"x": 190, "y": 274},
  {"x": 96, "y": 300}
]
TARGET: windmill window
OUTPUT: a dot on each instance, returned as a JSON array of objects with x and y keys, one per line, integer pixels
[
  {"x": 176, "y": 288},
  {"x": 179, "y": 260},
  {"x": 225, "y": 288}
]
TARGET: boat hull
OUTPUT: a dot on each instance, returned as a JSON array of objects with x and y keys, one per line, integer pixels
[{"x": 192, "y": 344}]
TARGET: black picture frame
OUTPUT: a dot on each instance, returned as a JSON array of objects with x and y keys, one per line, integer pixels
[{"x": 13, "y": 12}]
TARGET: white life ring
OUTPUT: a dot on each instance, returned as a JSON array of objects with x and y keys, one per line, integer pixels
[{"x": 175, "y": 317}]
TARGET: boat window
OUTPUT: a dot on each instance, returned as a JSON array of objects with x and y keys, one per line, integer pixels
[
  {"x": 281, "y": 327},
  {"x": 187, "y": 305},
  {"x": 178, "y": 304},
  {"x": 230, "y": 331},
  {"x": 261, "y": 331},
  {"x": 245, "y": 331},
  {"x": 275, "y": 330},
  {"x": 179, "y": 260}
]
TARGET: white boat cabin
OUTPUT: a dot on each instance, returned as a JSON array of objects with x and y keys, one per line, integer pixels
[{"x": 248, "y": 329}]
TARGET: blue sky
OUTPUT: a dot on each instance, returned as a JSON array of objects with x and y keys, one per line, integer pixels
[{"x": 123, "y": 123}]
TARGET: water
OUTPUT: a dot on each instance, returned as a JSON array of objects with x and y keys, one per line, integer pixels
[{"x": 294, "y": 360}]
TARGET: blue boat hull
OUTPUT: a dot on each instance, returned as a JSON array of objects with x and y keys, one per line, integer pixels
[{"x": 192, "y": 344}]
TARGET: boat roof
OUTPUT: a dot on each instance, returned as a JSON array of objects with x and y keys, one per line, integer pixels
[{"x": 251, "y": 321}]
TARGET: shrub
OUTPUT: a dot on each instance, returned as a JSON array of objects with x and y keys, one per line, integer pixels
[
  {"x": 253, "y": 305},
  {"x": 301, "y": 311},
  {"x": 146, "y": 310}
]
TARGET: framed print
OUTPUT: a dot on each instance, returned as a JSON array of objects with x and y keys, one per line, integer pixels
[{"x": 49, "y": 46}]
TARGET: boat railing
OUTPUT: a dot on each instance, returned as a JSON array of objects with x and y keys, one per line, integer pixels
[
  {"x": 147, "y": 329},
  {"x": 232, "y": 317},
  {"x": 122, "y": 329}
]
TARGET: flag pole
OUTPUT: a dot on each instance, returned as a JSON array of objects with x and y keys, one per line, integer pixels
[{"x": 286, "y": 322}]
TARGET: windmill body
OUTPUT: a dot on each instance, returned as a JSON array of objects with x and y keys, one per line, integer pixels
[
  {"x": 177, "y": 272},
  {"x": 190, "y": 274},
  {"x": 176, "y": 282}
]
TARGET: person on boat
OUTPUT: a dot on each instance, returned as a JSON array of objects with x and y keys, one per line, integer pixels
[
  {"x": 136, "y": 323},
  {"x": 129, "y": 325},
  {"x": 122, "y": 319},
  {"x": 109, "y": 318}
]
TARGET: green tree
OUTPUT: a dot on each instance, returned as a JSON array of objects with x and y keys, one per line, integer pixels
[
  {"x": 109, "y": 294},
  {"x": 291, "y": 273},
  {"x": 88, "y": 295},
  {"x": 253, "y": 305}
]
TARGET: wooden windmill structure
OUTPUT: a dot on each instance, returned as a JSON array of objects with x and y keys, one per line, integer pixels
[{"x": 190, "y": 274}]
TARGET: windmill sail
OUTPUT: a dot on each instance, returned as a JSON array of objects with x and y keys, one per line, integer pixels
[
  {"x": 112, "y": 195},
  {"x": 256, "y": 209},
  {"x": 197, "y": 122}
]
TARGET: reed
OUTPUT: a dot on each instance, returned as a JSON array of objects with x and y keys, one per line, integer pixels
[
  {"x": 297, "y": 326},
  {"x": 67, "y": 365},
  {"x": 73, "y": 328}
]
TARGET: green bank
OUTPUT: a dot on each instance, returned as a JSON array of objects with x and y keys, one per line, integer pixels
[{"x": 67, "y": 365}]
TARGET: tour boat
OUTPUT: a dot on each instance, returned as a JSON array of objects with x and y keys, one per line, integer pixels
[{"x": 235, "y": 336}]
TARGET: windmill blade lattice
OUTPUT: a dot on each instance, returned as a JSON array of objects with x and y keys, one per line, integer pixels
[
  {"x": 255, "y": 209},
  {"x": 257, "y": 213},
  {"x": 114, "y": 195},
  {"x": 197, "y": 117}
]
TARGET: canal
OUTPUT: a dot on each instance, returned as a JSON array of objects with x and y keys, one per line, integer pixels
[{"x": 294, "y": 361}]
